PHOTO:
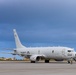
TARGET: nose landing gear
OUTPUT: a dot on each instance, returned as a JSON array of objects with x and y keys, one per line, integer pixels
[{"x": 70, "y": 61}]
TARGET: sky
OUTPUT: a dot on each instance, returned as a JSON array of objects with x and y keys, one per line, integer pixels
[{"x": 38, "y": 23}]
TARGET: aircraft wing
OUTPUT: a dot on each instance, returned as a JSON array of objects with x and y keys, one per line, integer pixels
[{"x": 9, "y": 53}]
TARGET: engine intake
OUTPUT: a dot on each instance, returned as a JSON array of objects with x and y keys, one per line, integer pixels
[{"x": 35, "y": 58}]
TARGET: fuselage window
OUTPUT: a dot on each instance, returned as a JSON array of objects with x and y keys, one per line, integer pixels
[
  {"x": 52, "y": 51},
  {"x": 38, "y": 51},
  {"x": 28, "y": 52}
]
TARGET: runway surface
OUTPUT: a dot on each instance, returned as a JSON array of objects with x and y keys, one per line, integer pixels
[{"x": 27, "y": 68}]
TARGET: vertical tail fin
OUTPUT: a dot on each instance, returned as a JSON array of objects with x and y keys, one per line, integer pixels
[{"x": 17, "y": 41}]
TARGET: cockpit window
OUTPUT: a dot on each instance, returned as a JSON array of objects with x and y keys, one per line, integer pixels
[
  {"x": 69, "y": 51},
  {"x": 52, "y": 51}
]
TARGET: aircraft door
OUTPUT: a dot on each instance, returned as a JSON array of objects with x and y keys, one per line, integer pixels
[{"x": 63, "y": 52}]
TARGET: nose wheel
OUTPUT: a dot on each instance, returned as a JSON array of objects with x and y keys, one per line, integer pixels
[{"x": 70, "y": 61}]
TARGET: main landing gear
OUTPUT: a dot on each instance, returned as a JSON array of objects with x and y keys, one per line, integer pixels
[
  {"x": 32, "y": 61},
  {"x": 46, "y": 61}
]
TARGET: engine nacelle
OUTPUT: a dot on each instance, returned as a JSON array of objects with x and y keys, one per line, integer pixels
[{"x": 35, "y": 58}]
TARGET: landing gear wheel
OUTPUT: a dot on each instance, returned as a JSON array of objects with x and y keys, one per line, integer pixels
[
  {"x": 32, "y": 61},
  {"x": 68, "y": 62},
  {"x": 46, "y": 61}
]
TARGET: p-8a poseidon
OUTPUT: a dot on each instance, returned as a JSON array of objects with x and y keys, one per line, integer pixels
[{"x": 37, "y": 53}]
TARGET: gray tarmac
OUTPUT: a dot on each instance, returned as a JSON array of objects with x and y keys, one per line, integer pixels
[{"x": 40, "y": 68}]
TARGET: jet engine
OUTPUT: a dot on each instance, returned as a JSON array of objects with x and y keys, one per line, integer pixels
[{"x": 35, "y": 58}]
